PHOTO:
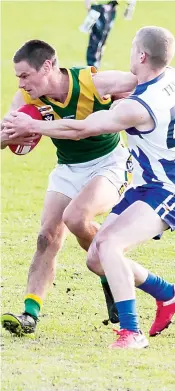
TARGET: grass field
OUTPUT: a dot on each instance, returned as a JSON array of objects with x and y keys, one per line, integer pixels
[{"x": 69, "y": 351}]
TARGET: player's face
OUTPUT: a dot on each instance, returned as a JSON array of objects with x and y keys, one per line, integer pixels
[
  {"x": 33, "y": 81},
  {"x": 134, "y": 58}
]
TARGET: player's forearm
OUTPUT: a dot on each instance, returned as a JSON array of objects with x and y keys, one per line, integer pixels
[
  {"x": 62, "y": 129},
  {"x": 95, "y": 124}
]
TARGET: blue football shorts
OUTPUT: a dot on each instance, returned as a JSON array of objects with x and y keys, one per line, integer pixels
[{"x": 161, "y": 200}]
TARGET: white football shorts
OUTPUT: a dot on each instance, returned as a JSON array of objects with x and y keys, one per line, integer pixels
[{"x": 69, "y": 179}]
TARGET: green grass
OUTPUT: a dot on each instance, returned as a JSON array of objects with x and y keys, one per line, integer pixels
[{"x": 69, "y": 351}]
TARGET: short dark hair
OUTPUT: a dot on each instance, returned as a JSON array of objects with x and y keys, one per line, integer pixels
[{"x": 35, "y": 53}]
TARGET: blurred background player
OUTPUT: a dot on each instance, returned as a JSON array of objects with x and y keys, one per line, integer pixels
[{"x": 99, "y": 21}]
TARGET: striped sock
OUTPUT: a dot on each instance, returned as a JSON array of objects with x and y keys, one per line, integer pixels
[{"x": 32, "y": 305}]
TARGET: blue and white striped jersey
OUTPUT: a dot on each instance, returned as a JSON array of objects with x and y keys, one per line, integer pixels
[{"x": 154, "y": 150}]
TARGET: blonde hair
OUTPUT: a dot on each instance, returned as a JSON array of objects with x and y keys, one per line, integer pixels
[{"x": 158, "y": 43}]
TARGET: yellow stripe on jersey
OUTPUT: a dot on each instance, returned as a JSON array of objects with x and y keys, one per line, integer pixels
[
  {"x": 38, "y": 103},
  {"x": 95, "y": 92},
  {"x": 87, "y": 92},
  {"x": 86, "y": 98}
]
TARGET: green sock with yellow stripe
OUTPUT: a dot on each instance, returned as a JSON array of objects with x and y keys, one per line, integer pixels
[{"x": 33, "y": 305}]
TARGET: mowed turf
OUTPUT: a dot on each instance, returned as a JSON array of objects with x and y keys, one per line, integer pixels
[{"x": 70, "y": 349}]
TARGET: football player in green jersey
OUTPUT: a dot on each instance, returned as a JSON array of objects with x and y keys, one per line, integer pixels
[{"x": 90, "y": 173}]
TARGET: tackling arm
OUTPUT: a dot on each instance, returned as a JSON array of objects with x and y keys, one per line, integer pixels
[
  {"x": 114, "y": 82},
  {"x": 126, "y": 114}
]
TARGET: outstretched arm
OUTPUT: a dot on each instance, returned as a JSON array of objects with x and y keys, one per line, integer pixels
[{"x": 126, "y": 114}]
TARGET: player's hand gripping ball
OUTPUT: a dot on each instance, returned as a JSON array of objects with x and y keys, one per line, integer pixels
[{"x": 24, "y": 149}]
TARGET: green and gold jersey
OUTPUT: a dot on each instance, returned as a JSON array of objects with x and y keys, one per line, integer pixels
[{"x": 82, "y": 100}]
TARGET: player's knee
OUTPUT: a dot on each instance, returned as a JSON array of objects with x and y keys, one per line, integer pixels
[
  {"x": 105, "y": 242},
  {"x": 101, "y": 240},
  {"x": 46, "y": 239},
  {"x": 109, "y": 244},
  {"x": 92, "y": 257},
  {"x": 93, "y": 265},
  {"x": 73, "y": 220}
]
